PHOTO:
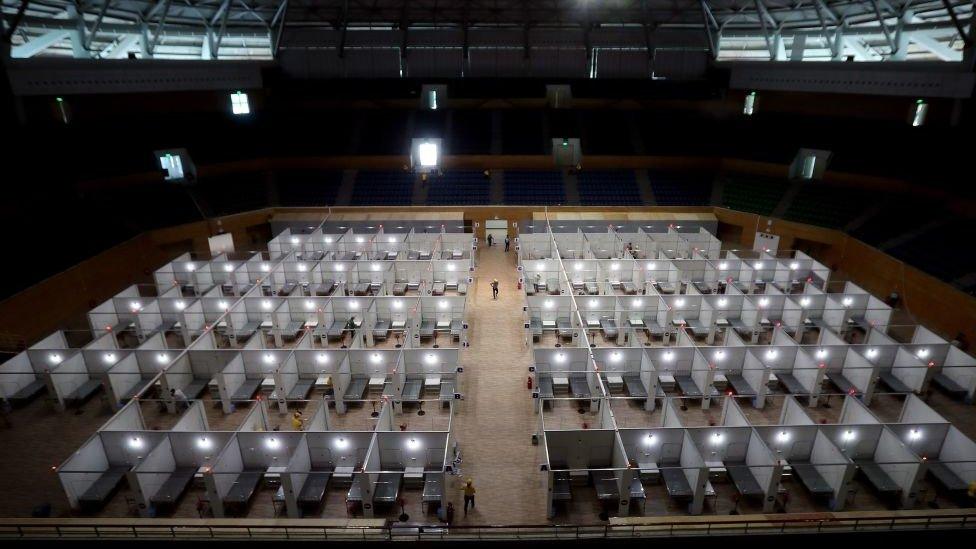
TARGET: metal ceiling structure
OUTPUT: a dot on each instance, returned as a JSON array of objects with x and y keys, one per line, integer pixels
[{"x": 808, "y": 30}]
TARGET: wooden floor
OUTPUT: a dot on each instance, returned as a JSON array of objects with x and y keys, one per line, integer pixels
[{"x": 493, "y": 424}]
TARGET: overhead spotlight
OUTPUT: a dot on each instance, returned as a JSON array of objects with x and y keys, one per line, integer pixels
[{"x": 322, "y": 358}]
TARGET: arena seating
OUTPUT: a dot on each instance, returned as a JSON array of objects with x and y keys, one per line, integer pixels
[
  {"x": 534, "y": 187},
  {"x": 383, "y": 188},
  {"x": 678, "y": 190},
  {"x": 611, "y": 188},
  {"x": 458, "y": 187},
  {"x": 828, "y": 205},
  {"x": 756, "y": 195},
  {"x": 308, "y": 187}
]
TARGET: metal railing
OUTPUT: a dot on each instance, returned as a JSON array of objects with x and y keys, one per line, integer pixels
[{"x": 377, "y": 530}]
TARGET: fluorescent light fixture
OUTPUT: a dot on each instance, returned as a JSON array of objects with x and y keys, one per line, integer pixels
[
  {"x": 309, "y": 304},
  {"x": 749, "y": 105},
  {"x": 273, "y": 443},
  {"x": 391, "y": 240},
  {"x": 651, "y": 266},
  {"x": 716, "y": 438},
  {"x": 794, "y": 266},
  {"x": 849, "y": 436},
  {"x": 719, "y": 356},
  {"x": 451, "y": 266},
  {"x": 322, "y": 358},
  {"x": 822, "y": 353},
  {"x": 548, "y": 304},
  {"x": 302, "y": 267},
  {"x": 54, "y": 358},
  {"x": 431, "y": 358},
  {"x": 443, "y": 304},
  {"x": 722, "y": 303},
  {"x": 649, "y": 440},
  {"x": 921, "y": 110},
  {"x": 204, "y": 443},
  {"x": 222, "y": 305},
  {"x": 616, "y": 357},
  {"x": 615, "y": 266},
  {"x": 679, "y": 302},
  {"x": 771, "y": 354},
  {"x": 397, "y": 304},
  {"x": 136, "y": 443},
  {"x": 375, "y": 266},
  {"x": 848, "y": 301},
  {"x": 914, "y": 434},
  {"x": 637, "y": 303},
  {"x": 668, "y": 356},
  {"x": 594, "y": 303},
  {"x": 805, "y": 302},
  {"x": 328, "y": 240},
  {"x": 578, "y": 267},
  {"x": 428, "y": 154},
  {"x": 360, "y": 240},
  {"x": 872, "y": 353},
  {"x": 560, "y": 357},
  {"x": 340, "y": 267},
  {"x": 239, "y": 104},
  {"x": 723, "y": 265},
  {"x": 228, "y": 267},
  {"x": 758, "y": 265},
  {"x": 295, "y": 240},
  {"x": 191, "y": 267},
  {"x": 783, "y": 436},
  {"x": 763, "y": 302},
  {"x": 353, "y": 305},
  {"x": 922, "y": 353},
  {"x": 265, "y": 267},
  {"x": 135, "y": 305},
  {"x": 162, "y": 358}
]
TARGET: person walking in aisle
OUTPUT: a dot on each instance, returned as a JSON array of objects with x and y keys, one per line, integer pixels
[
  {"x": 507, "y": 242},
  {"x": 494, "y": 289},
  {"x": 490, "y": 240},
  {"x": 469, "y": 492}
]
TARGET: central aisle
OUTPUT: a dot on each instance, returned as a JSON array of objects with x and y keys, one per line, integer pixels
[{"x": 496, "y": 421}]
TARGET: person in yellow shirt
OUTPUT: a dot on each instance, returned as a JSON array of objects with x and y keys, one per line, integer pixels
[
  {"x": 297, "y": 421},
  {"x": 469, "y": 492}
]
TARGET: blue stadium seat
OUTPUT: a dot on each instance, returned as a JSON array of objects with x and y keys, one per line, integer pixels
[
  {"x": 534, "y": 188},
  {"x": 676, "y": 190},
  {"x": 610, "y": 188},
  {"x": 458, "y": 187},
  {"x": 386, "y": 188}
]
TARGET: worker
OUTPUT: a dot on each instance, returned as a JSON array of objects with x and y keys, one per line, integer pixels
[
  {"x": 297, "y": 421},
  {"x": 490, "y": 240},
  {"x": 494, "y": 289},
  {"x": 469, "y": 492},
  {"x": 446, "y": 513},
  {"x": 179, "y": 397},
  {"x": 507, "y": 242}
]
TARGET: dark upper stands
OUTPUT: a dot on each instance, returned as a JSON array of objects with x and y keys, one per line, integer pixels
[
  {"x": 611, "y": 188},
  {"x": 534, "y": 187},
  {"x": 755, "y": 195},
  {"x": 383, "y": 188},
  {"x": 458, "y": 187},
  {"x": 828, "y": 205},
  {"x": 678, "y": 190},
  {"x": 943, "y": 252},
  {"x": 308, "y": 187}
]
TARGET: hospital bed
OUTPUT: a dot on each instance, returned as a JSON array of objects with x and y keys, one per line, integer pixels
[
  {"x": 743, "y": 480},
  {"x": 896, "y": 385},
  {"x": 696, "y": 328},
  {"x": 386, "y": 490},
  {"x": 292, "y": 329},
  {"x": 687, "y": 386},
  {"x": 843, "y": 384},
  {"x": 702, "y": 287},
  {"x": 361, "y": 288},
  {"x": 28, "y": 392},
  {"x": 456, "y": 327},
  {"x": 811, "y": 478},
  {"x": 174, "y": 486},
  {"x": 381, "y": 330},
  {"x": 247, "y": 330},
  {"x": 535, "y": 328},
  {"x": 740, "y": 385},
  {"x": 676, "y": 482},
  {"x": 313, "y": 489},
  {"x": 331, "y": 332},
  {"x": 653, "y": 327},
  {"x": 347, "y": 256},
  {"x": 564, "y": 327},
  {"x": 242, "y": 490},
  {"x": 433, "y": 489},
  {"x": 438, "y": 288},
  {"x": 740, "y": 327},
  {"x": 591, "y": 287},
  {"x": 195, "y": 387},
  {"x": 412, "y": 388},
  {"x": 104, "y": 486},
  {"x": 545, "y": 386},
  {"x": 877, "y": 477},
  {"x": 605, "y": 483},
  {"x": 791, "y": 384},
  {"x": 399, "y": 288},
  {"x": 664, "y": 287},
  {"x": 552, "y": 286},
  {"x": 287, "y": 288},
  {"x": 427, "y": 329},
  {"x": 388, "y": 255},
  {"x": 83, "y": 392},
  {"x": 446, "y": 393},
  {"x": 326, "y": 287},
  {"x": 628, "y": 288},
  {"x": 247, "y": 389},
  {"x": 609, "y": 327},
  {"x": 949, "y": 386},
  {"x": 356, "y": 389},
  {"x": 301, "y": 389},
  {"x": 613, "y": 381},
  {"x": 634, "y": 386},
  {"x": 579, "y": 387},
  {"x": 948, "y": 479},
  {"x": 561, "y": 490}
]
